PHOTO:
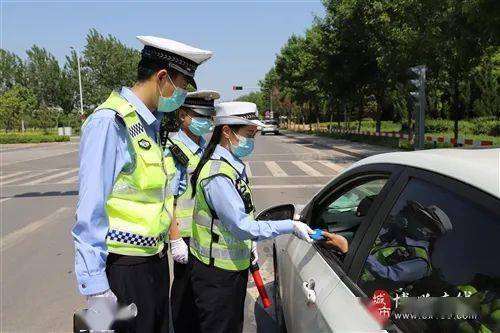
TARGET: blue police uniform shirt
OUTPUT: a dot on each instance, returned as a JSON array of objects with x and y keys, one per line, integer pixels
[
  {"x": 405, "y": 271},
  {"x": 179, "y": 182},
  {"x": 221, "y": 196},
  {"x": 104, "y": 153}
]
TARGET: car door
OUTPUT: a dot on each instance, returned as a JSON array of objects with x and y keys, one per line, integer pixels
[
  {"x": 309, "y": 273},
  {"x": 458, "y": 254}
]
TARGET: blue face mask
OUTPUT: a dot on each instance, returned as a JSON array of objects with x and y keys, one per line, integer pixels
[
  {"x": 200, "y": 126},
  {"x": 172, "y": 103},
  {"x": 244, "y": 146}
]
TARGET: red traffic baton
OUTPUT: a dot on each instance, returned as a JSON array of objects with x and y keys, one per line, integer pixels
[{"x": 254, "y": 269}]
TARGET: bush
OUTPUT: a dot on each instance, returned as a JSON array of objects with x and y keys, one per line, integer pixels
[
  {"x": 6, "y": 138},
  {"x": 495, "y": 129},
  {"x": 438, "y": 125}
]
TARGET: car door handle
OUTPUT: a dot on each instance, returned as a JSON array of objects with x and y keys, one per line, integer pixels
[{"x": 308, "y": 289}]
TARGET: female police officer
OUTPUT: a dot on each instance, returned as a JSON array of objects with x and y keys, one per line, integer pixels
[{"x": 223, "y": 221}]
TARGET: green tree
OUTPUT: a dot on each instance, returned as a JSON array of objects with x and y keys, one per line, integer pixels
[
  {"x": 12, "y": 69},
  {"x": 108, "y": 64},
  {"x": 15, "y": 105},
  {"x": 43, "y": 76}
]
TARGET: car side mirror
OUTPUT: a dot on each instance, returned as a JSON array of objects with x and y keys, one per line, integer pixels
[{"x": 281, "y": 212}]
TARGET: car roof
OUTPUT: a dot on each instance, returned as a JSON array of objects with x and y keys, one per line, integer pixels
[{"x": 476, "y": 167}]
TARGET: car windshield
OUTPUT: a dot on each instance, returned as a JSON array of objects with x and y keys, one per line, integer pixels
[{"x": 270, "y": 122}]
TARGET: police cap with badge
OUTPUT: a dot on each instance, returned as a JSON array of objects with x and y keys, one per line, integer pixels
[
  {"x": 237, "y": 113},
  {"x": 175, "y": 55},
  {"x": 201, "y": 102}
]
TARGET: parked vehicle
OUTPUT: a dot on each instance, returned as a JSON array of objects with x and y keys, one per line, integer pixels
[{"x": 386, "y": 199}]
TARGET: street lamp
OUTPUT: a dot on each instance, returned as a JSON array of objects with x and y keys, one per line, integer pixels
[{"x": 79, "y": 79}]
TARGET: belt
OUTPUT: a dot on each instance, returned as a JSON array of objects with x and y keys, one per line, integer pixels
[{"x": 120, "y": 259}]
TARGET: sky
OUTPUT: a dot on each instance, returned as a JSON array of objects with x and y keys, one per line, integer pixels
[{"x": 245, "y": 36}]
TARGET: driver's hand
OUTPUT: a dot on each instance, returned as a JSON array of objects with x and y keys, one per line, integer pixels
[{"x": 335, "y": 241}]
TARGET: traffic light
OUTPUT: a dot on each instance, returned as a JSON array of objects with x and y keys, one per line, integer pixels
[
  {"x": 237, "y": 88},
  {"x": 416, "y": 76}
]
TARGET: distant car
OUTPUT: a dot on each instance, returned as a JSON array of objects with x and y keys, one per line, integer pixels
[
  {"x": 270, "y": 126},
  {"x": 438, "y": 209}
]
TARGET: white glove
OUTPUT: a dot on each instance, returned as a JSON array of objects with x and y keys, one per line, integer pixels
[
  {"x": 254, "y": 252},
  {"x": 101, "y": 311},
  {"x": 302, "y": 231},
  {"x": 179, "y": 250}
]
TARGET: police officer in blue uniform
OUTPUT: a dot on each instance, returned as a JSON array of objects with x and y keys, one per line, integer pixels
[
  {"x": 223, "y": 222},
  {"x": 108, "y": 154},
  {"x": 195, "y": 118}
]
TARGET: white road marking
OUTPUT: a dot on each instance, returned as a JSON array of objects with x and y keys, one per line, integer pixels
[
  {"x": 12, "y": 175},
  {"x": 4, "y": 199},
  {"x": 335, "y": 167},
  {"x": 70, "y": 180},
  {"x": 29, "y": 175},
  {"x": 40, "y": 158},
  {"x": 248, "y": 170},
  {"x": 17, "y": 236},
  {"x": 307, "y": 169},
  {"x": 275, "y": 169},
  {"x": 265, "y": 187},
  {"x": 57, "y": 175}
]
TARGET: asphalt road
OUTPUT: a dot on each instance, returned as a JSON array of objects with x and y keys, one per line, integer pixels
[{"x": 38, "y": 197}]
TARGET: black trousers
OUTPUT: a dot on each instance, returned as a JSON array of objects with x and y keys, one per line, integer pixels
[
  {"x": 145, "y": 282},
  {"x": 219, "y": 297},
  {"x": 181, "y": 299}
]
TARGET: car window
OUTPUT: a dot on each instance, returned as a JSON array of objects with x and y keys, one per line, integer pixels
[
  {"x": 438, "y": 243},
  {"x": 344, "y": 212}
]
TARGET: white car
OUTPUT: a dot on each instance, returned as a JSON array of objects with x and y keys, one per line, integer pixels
[
  {"x": 270, "y": 126},
  {"x": 438, "y": 211}
]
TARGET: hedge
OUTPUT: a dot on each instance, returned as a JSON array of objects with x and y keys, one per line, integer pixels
[{"x": 6, "y": 138}]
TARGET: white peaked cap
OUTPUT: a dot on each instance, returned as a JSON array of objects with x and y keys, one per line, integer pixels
[
  {"x": 178, "y": 56},
  {"x": 237, "y": 113},
  {"x": 202, "y": 101},
  {"x": 194, "y": 54}
]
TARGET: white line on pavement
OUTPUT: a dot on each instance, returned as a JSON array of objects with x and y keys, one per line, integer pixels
[
  {"x": 12, "y": 175},
  {"x": 71, "y": 180},
  {"x": 4, "y": 199},
  {"x": 265, "y": 187},
  {"x": 275, "y": 169},
  {"x": 17, "y": 236},
  {"x": 40, "y": 158},
  {"x": 335, "y": 167},
  {"x": 248, "y": 170},
  {"x": 57, "y": 175},
  {"x": 307, "y": 169},
  {"x": 30, "y": 175}
]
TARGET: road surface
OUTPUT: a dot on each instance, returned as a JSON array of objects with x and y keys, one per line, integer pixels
[{"x": 39, "y": 192}]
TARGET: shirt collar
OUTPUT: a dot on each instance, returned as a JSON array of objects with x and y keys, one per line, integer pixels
[
  {"x": 193, "y": 146},
  {"x": 143, "y": 111},
  {"x": 230, "y": 158}
]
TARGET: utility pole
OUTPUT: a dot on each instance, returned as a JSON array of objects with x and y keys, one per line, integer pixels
[
  {"x": 417, "y": 94},
  {"x": 79, "y": 80}
]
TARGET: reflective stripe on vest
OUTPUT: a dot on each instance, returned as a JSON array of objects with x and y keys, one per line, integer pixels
[
  {"x": 184, "y": 203},
  {"x": 135, "y": 208},
  {"x": 218, "y": 253},
  {"x": 211, "y": 242}
]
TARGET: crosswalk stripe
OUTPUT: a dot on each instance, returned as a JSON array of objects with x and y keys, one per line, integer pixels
[
  {"x": 248, "y": 170},
  {"x": 71, "y": 180},
  {"x": 275, "y": 169},
  {"x": 335, "y": 167},
  {"x": 307, "y": 169},
  {"x": 13, "y": 175},
  {"x": 57, "y": 175},
  {"x": 31, "y": 174}
]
